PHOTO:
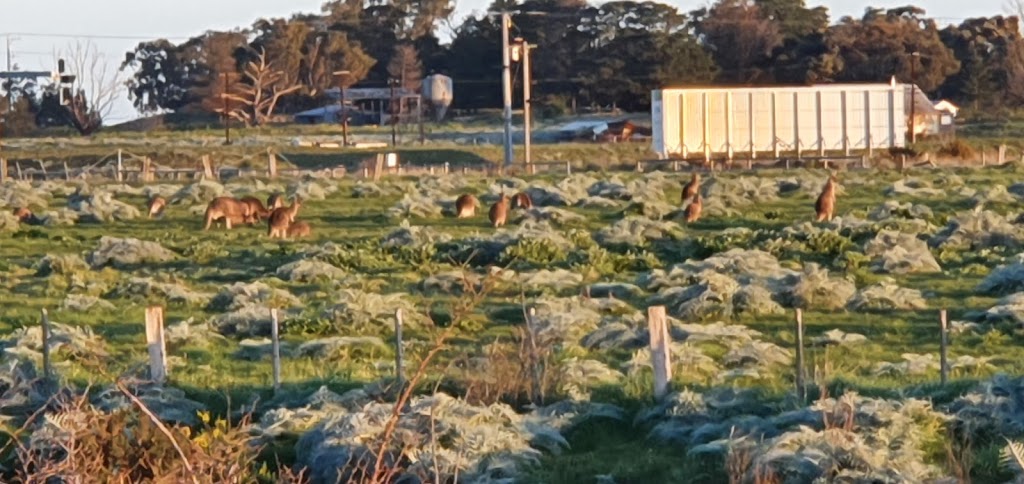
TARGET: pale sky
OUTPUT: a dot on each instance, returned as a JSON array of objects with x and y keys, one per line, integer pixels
[{"x": 36, "y": 26}]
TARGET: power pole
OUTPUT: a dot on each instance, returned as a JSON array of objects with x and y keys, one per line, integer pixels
[
  {"x": 343, "y": 111},
  {"x": 913, "y": 97},
  {"x": 506, "y": 84},
  {"x": 10, "y": 107},
  {"x": 394, "y": 119},
  {"x": 227, "y": 119},
  {"x": 527, "y": 101}
]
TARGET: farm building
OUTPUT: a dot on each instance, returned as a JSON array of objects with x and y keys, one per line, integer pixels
[
  {"x": 366, "y": 106},
  {"x": 769, "y": 121}
]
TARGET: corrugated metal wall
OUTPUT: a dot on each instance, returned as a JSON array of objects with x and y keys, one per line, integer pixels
[{"x": 768, "y": 121}]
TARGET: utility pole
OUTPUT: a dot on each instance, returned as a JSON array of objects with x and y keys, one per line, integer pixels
[
  {"x": 527, "y": 101},
  {"x": 506, "y": 84},
  {"x": 10, "y": 106},
  {"x": 913, "y": 96},
  {"x": 394, "y": 119},
  {"x": 343, "y": 111},
  {"x": 227, "y": 119}
]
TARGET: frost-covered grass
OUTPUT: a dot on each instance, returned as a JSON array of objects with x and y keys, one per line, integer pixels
[{"x": 347, "y": 243}]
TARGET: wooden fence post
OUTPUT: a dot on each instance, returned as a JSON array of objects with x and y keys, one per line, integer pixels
[
  {"x": 275, "y": 337},
  {"x": 801, "y": 389},
  {"x": 17, "y": 165},
  {"x": 398, "y": 349},
  {"x": 120, "y": 166},
  {"x": 271, "y": 164},
  {"x": 46, "y": 345},
  {"x": 3, "y": 170},
  {"x": 661, "y": 359},
  {"x": 155, "y": 343},
  {"x": 534, "y": 359},
  {"x": 67, "y": 172},
  {"x": 1002, "y": 154},
  {"x": 568, "y": 168},
  {"x": 147, "y": 169},
  {"x": 943, "y": 348},
  {"x": 378, "y": 166},
  {"x": 207, "y": 167}
]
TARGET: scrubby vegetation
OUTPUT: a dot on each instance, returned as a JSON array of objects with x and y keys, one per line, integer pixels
[{"x": 526, "y": 347}]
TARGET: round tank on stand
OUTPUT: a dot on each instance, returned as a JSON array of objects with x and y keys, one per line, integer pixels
[{"x": 437, "y": 91}]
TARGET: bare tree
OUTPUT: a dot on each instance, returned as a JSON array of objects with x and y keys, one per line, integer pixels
[
  {"x": 1014, "y": 7},
  {"x": 261, "y": 87},
  {"x": 95, "y": 88}
]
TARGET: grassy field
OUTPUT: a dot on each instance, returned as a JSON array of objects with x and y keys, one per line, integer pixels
[{"x": 350, "y": 230}]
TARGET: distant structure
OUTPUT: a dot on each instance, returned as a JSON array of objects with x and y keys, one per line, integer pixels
[
  {"x": 366, "y": 106},
  {"x": 438, "y": 92},
  {"x": 764, "y": 122}
]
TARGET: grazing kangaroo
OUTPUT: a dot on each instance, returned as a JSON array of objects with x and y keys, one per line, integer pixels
[
  {"x": 522, "y": 200},
  {"x": 257, "y": 212},
  {"x": 691, "y": 188},
  {"x": 693, "y": 209},
  {"x": 826, "y": 204},
  {"x": 499, "y": 212},
  {"x": 281, "y": 218},
  {"x": 299, "y": 229},
  {"x": 156, "y": 205},
  {"x": 231, "y": 210},
  {"x": 275, "y": 201},
  {"x": 465, "y": 206}
]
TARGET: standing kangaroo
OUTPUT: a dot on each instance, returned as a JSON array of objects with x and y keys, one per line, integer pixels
[
  {"x": 465, "y": 206},
  {"x": 231, "y": 210},
  {"x": 156, "y": 205},
  {"x": 826, "y": 204},
  {"x": 281, "y": 218},
  {"x": 691, "y": 188},
  {"x": 499, "y": 212},
  {"x": 693, "y": 209}
]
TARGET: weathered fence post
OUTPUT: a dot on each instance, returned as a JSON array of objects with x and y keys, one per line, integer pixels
[
  {"x": 657, "y": 325},
  {"x": 67, "y": 172},
  {"x": 42, "y": 167},
  {"x": 447, "y": 167},
  {"x": 46, "y": 345},
  {"x": 271, "y": 164},
  {"x": 17, "y": 166},
  {"x": 568, "y": 168},
  {"x": 3, "y": 170},
  {"x": 801, "y": 389},
  {"x": 378, "y": 166},
  {"x": 1002, "y": 155},
  {"x": 943, "y": 347},
  {"x": 147, "y": 169},
  {"x": 275, "y": 338},
  {"x": 155, "y": 343},
  {"x": 984, "y": 158},
  {"x": 535, "y": 370},
  {"x": 120, "y": 167},
  {"x": 207, "y": 167},
  {"x": 398, "y": 349},
  {"x": 639, "y": 166}
]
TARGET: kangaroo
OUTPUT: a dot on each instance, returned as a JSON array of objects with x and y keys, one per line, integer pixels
[
  {"x": 299, "y": 229},
  {"x": 522, "y": 200},
  {"x": 275, "y": 201},
  {"x": 233, "y": 212},
  {"x": 826, "y": 204},
  {"x": 691, "y": 188},
  {"x": 693, "y": 209},
  {"x": 499, "y": 212},
  {"x": 465, "y": 206},
  {"x": 156, "y": 205},
  {"x": 257, "y": 213},
  {"x": 281, "y": 218}
]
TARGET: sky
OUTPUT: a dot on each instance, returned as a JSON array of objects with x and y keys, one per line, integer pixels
[{"x": 39, "y": 28}]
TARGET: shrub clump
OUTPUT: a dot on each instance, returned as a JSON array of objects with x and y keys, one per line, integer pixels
[{"x": 127, "y": 252}]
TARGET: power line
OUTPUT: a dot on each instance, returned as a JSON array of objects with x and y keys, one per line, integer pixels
[{"x": 93, "y": 36}]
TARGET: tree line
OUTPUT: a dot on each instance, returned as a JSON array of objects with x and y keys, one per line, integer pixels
[{"x": 587, "y": 54}]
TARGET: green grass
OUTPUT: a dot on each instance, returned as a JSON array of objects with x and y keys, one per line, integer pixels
[{"x": 211, "y": 259}]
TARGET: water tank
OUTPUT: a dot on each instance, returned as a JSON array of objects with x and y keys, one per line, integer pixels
[{"x": 437, "y": 91}]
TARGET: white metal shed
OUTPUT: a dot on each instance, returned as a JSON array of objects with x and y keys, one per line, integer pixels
[{"x": 768, "y": 121}]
